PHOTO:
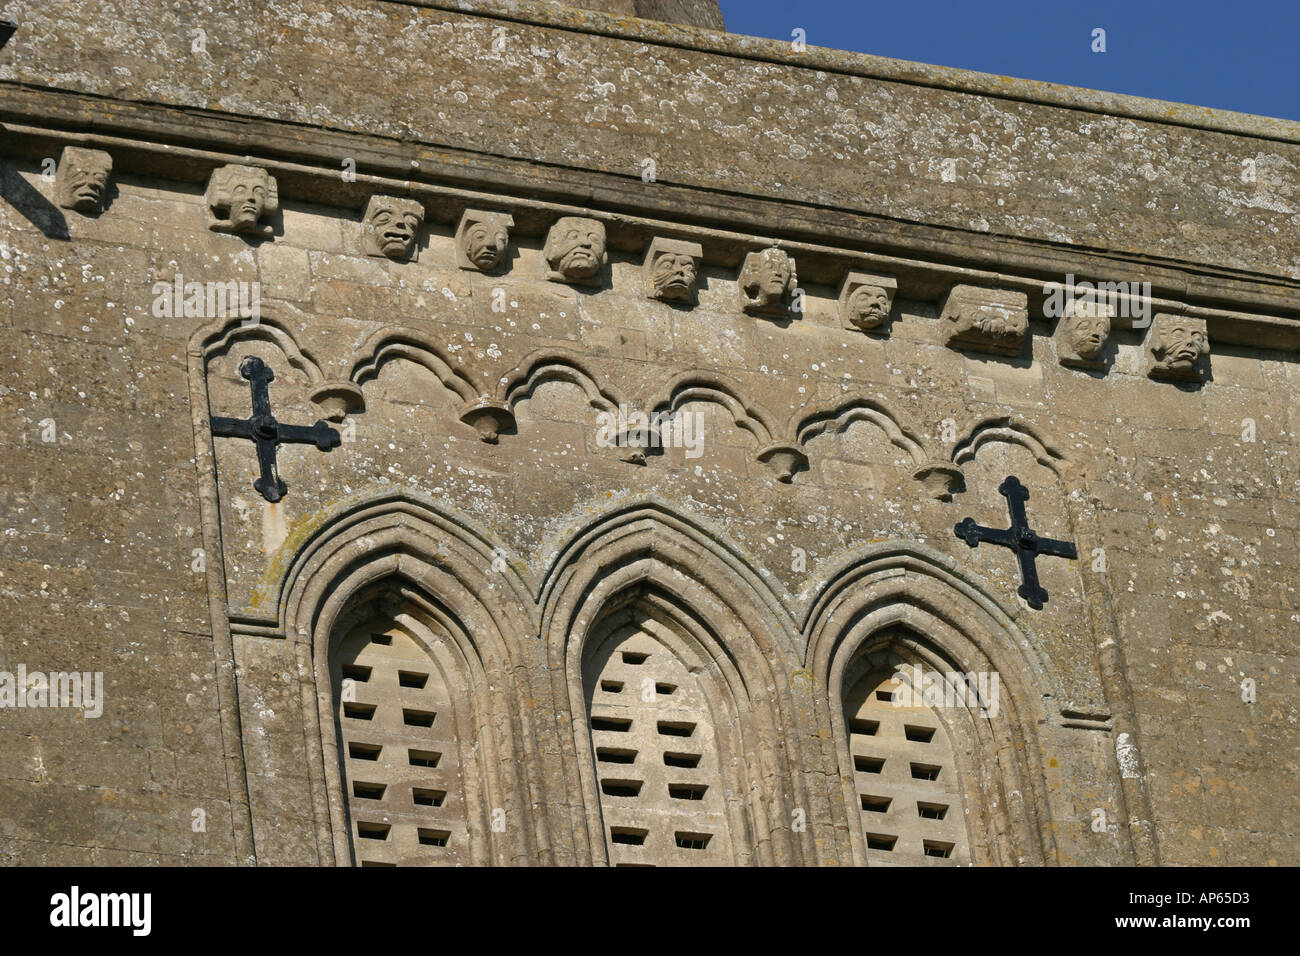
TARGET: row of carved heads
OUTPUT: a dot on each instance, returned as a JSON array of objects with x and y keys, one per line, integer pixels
[
  {"x": 1177, "y": 346},
  {"x": 240, "y": 199},
  {"x": 997, "y": 321}
]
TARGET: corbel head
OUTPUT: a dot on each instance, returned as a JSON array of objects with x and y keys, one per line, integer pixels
[
  {"x": 239, "y": 198},
  {"x": 392, "y": 224},
  {"x": 865, "y": 300},
  {"x": 575, "y": 250},
  {"x": 767, "y": 283},
  {"x": 81, "y": 181},
  {"x": 482, "y": 239},
  {"x": 1178, "y": 348},
  {"x": 671, "y": 269}
]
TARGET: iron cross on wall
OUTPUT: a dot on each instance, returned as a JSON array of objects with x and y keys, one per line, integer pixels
[
  {"x": 262, "y": 428},
  {"x": 1020, "y": 538}
]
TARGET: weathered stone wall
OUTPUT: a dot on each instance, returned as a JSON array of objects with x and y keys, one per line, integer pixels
[
  {"x": 813, "y": 132},
  {"x": 695, "y": 13},
  {"x": 129, "y": 549}
]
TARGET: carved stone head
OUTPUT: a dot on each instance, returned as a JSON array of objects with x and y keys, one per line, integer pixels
[
  {"x": 1178, "y": 347},
  {"x": 482, "y": 239},
  {"x": 391, "y": 224},
  {"x": 575, "y": 250},
  {"x": 239, "y": 197},
  {"x": 1082, "y": 332},
  {"x": 671, "y": 269},
  {"x": 81, "y": 182},
  {"x": 865, "y": 300},
  {"x": 767, "y": 282}
]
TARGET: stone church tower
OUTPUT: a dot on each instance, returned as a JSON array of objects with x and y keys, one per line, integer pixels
[{"x": 503, "y": 432}]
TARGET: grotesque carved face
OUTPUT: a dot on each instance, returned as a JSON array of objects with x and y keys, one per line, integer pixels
[
  {"x": 83, "y": 178},
  {"x": 86, "y": 186},
  {"x": 868, "y": 306},
  {"x": 775, "y": 276},
  {"x": 1180, "y": 344},
  {"x": 239, "y": 196},
  {"x": 1086, "y": 331},
  {"x": 485, "y": 245},
  {"x": 247, "y": 199},
  {"x": 674, "y": 276},
  {"x": 393, "y": 224},
  {"x": 575, "y": 247},
  {"x": 482, "y": 238},
  {"x": 767, "y": 277}
]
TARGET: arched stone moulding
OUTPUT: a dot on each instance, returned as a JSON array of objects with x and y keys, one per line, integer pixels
[
  {"x": 951, "y": 625},
  {"x": 334, "y": 399},
  {"x": 705, "y": 597},
  {"x": 416, "y": 346},
  {"x": 633, "y": 596},
  {"x": 438, "y": 573},
  {"x": 208, "y": 341},
  {"x": 835, "y": 417},
  {"x": 979, "y": 744},
  {"x": 645, "y": 561},
  {"x": 1004, "y": 428},
  {"x": 421, "y": 348},
  {"x": 554, "y": 365},
  {"x": 361, "y": 522},
  {"x": 217, "y": 338},
  {"x": 495, "y": 709},
  {"x": 701, "y": 385},
  {"x": 573, "y": 538},
  {"x": 493, "y": 415},
  {"x": 463, "y": 671}
]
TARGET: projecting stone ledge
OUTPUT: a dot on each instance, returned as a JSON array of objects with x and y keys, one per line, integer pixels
[{"x": 692, "y": 13}]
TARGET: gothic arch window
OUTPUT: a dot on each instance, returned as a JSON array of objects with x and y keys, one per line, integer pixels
[
  {"x": 655, "y": 739},
  {"x": 401, "y": 747},
  {"x": 897, "y": 611},
  {"x": 910, "y": 800}
]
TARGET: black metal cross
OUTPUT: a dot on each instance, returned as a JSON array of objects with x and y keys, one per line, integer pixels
[
  {"x": 262, "y": 428},
  {"x": 1019, "y": 538}
]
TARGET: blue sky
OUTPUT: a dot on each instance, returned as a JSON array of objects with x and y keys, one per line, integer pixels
[{"x": 1239, "y": 55}]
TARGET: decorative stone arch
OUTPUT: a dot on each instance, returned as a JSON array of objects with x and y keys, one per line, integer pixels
[
  {"x": 1004, "y": 428},
  {"x": 704, "y": 385},
  {"x": 434, "y": 575},
  {"x": 397, "y": 603},
  {"x": 422, "y": 349},
  {"x": 1081, "y": 512},
  {"x": 910, "y": 604},
  {"x": 704, "y": 601},
  {"x": 217, "y": 338},
  {"x": 554, "y": 365},
  {"x": 415, "y": 346},
  {"x": 835, "y": 417}
]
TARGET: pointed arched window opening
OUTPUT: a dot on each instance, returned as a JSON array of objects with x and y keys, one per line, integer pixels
[
  {"x": 399, "y": 747},
  {"x": 662, "y": 798},
  {"x": 909, "y": 797}
]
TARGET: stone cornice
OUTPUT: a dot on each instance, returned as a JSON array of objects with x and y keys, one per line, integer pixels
[
  {"x": 186, "y": 145},
  {"x": 603, "y": 95}
]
